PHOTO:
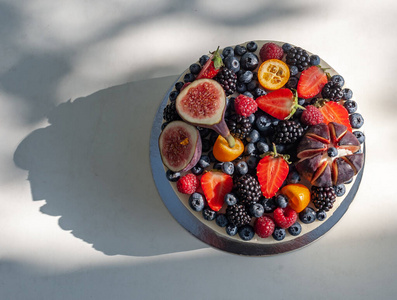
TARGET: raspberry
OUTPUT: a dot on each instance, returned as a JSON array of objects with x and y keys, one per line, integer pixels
[
  {"x": 188, "y": 184},
  {"x": 284, "y": 217},
  {"x": 312, "y": 116},
  {"x": 264, "y": 226},
  {"x": 271, "y": 51},
  {"x": 245, "y": 105}
]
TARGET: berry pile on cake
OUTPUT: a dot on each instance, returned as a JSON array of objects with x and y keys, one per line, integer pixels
[{"x": 261, "y": 140}]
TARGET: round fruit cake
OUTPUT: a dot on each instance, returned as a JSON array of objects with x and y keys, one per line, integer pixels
[{"x": 262, "y": 142}]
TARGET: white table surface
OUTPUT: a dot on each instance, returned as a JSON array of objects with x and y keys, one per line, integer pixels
[{"x": 80, "y": 216}]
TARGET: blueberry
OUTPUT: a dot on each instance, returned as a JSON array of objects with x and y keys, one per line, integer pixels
[
  {"x": 189, "y": 77},
  {"x": 252, "y": 85},
  {"x": 301, "y": 101},
  {"x": 221, "y": 220},
  {"x": 308, "y": 215},
  {"x": 253, "y": 136},
  {"x": 349, "y": 181},
  {"x": 242, "y": 167},
  {"x": 245, "y": 77},
  {"x": 356, "y": 120},
  {"x": 195, "y": 68},
  {"x": 249, "y": 149},
  {"x": 295, "y": 229},
  {"x": 314, "y": 60},
  {"x": 240, "y": 50},
  {"x": 321, "y": 215},
  {"x": 263, "y": 122},
  {"x": 279, "y": 233},
  {"x": 204, "y": 161},
  {"x": 164, "y": 125},
  {"x": 172, "y": 176},
  {"x": 213, "y": 136},
  {"x": 292, "y": 83},
  {"x": 218, "y": 166},
  {"x": 351, "y": 106},
  {"x": 230, "y": 199},
  {"x": 209, "y": 214},
  {"x": 231, "y": 229},
  {"x": 293, "y": 70},
  {"x": 360, "y": 136},
  {"x": 259, "y": 92},
  {"x": 228, "y": 168},
  {"x": 262, "y": 147},
  {"x": 228, "y": 51},
  {"x": 340, "y": 190},
  {"x": 252, "y": 46},
  {"x": 179, "y": 85},
  {"x": 211, "y": 155},
  {"x": 286, "y": 47},
  {"x": 347, "y": 94},
  {"x": 246, "y": 232},
  {"x": 249, "y": 61},
  {"x": 248, "y": 94},
  {"x": 203, "y": 131},
  {"x": 268, "y": 204},
  {"x": 252, "y": 161},
  {"x": 196, "y": 201},
  {"x": 251, "y": 118},
  {"x": 293, "y": 176},
  {"x": 203, "y": 59},
  {"x": 232, "y": 63},
  {"x": 197, "y": 170},
  {"x": 281, "y": 201},
  {"x": 173, "y": 95},
  {"x": 206, "y": 145},
  {"x": 332, "y": 152},
  {"x": 241, "y": 87},
  {"x": 338, "y": 80},
  {"x": 256, "y": 210}
]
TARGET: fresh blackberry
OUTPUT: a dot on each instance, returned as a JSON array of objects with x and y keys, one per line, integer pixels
[
  {"x": 237, "y": 215},
  {"x": 298, "y": 57},
  {"x": 248, "y": 189},
  {"x": 332, "y": 91},
  {"x": 323, "y": 198},
  {"x": 287, "y": 132},
  {"x": 239, "y": 126},
  {"x": 228, "y": 80},
  {"x": 170, "y": 113}
]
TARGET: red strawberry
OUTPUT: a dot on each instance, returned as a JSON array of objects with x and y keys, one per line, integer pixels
[
  {"x": 311, "y": 82},
  {"x": 284, "y": 217},
  {"x": 280, "y": 104},
  {"x": 212, "y": 66},
  {"x": 245, "y": 105},
  {"x": 334, "y": 112},
  {"x": 264, "y": 226},
  {"x": 188, "y": 184},
  {"x": 271, "y": 51},
  {"x": 272, "y": 170},
  {"x": 215, "y": 186}
]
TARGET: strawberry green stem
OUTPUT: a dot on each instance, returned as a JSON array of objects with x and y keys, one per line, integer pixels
[{"x": 295, "y": 105}]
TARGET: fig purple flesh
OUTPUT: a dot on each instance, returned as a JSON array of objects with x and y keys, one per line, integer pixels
[
  {"x": 180, "y": 146},
  {"x": 203, "y": 103}
]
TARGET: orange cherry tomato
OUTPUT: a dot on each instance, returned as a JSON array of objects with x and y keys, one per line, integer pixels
[
  {"x": 224, "y": 153},
  {"x": 298, "y": 196},
  {"x": 273, "y": 74}
]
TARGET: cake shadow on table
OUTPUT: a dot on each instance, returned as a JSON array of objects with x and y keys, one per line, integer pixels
[{"x": 91, "y": 166}]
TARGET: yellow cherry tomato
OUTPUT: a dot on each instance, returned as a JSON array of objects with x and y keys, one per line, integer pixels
[
  {"x": 298, "y": 196},
  {"x": 223, "y": 152}
]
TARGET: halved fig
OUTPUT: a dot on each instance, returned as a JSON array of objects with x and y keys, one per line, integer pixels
[
  {"x": 203, "y": 103},
  {"x": 180, "y": 146},
  {"x": 322, "y": 169}
]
